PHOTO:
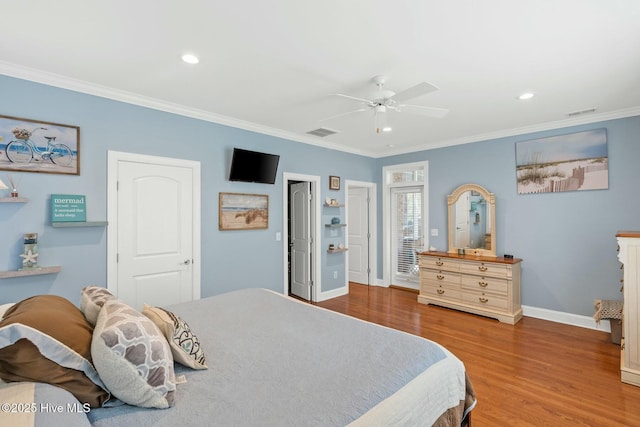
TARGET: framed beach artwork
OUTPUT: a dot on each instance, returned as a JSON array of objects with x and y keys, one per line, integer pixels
[
  {"x": 239, "y": 211},
  {"x": 35, "y": 146},
  {"x": 573, "y": 162}
]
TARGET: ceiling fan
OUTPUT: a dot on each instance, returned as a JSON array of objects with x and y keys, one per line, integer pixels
[{"x": 384, "y": 100}]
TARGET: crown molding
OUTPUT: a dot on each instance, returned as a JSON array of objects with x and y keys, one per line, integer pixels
[
  {"x": 591, "y": 118},
  {"x": 76, "y": 85},
  {"x": 81, "y": 86}
]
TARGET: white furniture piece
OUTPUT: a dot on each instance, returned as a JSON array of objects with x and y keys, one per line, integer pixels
[
  {"x": 488, "y": 286},
  {"x": 629, "y": 256}
]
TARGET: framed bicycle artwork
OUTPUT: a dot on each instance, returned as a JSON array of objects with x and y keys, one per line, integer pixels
[{"x": 35, "y": 146}]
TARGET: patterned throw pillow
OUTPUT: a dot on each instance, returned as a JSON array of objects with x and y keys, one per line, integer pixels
[
  {"x": 132, "y": 357},
  {"x": 184, "y": 344},
  {"x": 92, "y": 298}
]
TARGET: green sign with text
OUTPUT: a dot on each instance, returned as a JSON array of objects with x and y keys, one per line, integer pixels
[{"x": 68, "y": 208}]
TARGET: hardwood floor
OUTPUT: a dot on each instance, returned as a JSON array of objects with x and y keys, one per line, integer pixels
[{"x": 536, "y": 373}]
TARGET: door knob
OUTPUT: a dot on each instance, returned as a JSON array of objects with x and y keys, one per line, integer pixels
[{"x": 186, "y": 262}]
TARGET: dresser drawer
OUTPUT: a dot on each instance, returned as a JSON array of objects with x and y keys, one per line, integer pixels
[
  {"x": 485, "y": 269},
  {"x": 439, "y": 276},
  {"x": 482, "y": 283},
  {"x": 485, "y": 300},
  {"x": 439, "y": 263},
  {"x": 444, "y": 291}
]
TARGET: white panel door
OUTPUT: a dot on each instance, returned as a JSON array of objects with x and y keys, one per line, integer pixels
[
  {"x": 358, "y": 225},
  {"x": 154, "y": 237},
  {"x": 300, "y": 239}
]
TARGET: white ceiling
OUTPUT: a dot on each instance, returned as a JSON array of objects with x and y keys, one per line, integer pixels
[{"x": 272, "y": 66}]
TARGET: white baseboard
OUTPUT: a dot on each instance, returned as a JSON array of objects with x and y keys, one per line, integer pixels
[{"x": 566, "y": 318}]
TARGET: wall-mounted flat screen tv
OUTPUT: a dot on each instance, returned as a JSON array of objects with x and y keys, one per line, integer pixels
[{"x": 252, "y": 166}]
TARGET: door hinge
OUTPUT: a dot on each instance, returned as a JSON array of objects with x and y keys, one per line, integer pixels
[{"x": 117, "y": 257}]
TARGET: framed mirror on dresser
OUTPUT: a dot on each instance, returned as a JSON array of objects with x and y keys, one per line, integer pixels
[{"x": 469, "y": 276}]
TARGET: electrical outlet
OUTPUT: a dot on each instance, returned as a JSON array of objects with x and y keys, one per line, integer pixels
[
  {"x": 434, "y": 231},
  {"x": 335, "y": 274}
]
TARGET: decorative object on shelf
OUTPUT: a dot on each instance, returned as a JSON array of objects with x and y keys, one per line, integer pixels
[
  {"x": 237, "y": 211},
  {"x": 68, "y": 208},
  {"x": 335, "y": 220},
  {"x": 3, "y": 186},
  {"x": 14, "y": 186},
  {"x": 35, "y": 146},
  {"x": 340, "y": 246},
  {"x": 29, "y": 254},
  {"x": 334, "y": 182},
  {"x": 332, "y": 247}
]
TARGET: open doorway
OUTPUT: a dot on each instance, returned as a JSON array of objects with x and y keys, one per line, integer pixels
[{"x": 301, "y": 241}]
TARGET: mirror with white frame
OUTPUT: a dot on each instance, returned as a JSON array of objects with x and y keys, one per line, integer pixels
[{"x": 472, "y": 221}]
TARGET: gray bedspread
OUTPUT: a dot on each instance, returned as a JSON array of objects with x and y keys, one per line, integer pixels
[{"x": 277, "y": 362}]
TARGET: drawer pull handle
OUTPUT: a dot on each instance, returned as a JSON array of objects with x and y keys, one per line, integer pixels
[
  {"x": 439, "y": 277},
  {"x": 482, "y": 268},
  {"x": 483, "y": 299},
  {"x": 439, "y": 263},
  {"x": 440, "y": 291},
  {"x": 483, "y": 284}
]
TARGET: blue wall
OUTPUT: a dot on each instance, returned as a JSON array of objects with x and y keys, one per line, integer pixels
[
  {"x": 567, "y": 240},
  {"x": 230, "y": 259}
]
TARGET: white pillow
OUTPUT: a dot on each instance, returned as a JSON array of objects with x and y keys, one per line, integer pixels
[
  {"x": 5, "y": 307},
  {"x": 132, "y": 357}
]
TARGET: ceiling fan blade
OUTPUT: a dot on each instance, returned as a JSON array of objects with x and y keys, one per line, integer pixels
[
  {"x": 355, "y": 98},
  {"x": 414, "y": 92},
  {"x": 343, "y": 114},
  {"x": 421, "y": 110}
]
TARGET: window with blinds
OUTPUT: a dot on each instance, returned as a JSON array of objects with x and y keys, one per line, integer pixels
[{"x": 407, "y": 233}]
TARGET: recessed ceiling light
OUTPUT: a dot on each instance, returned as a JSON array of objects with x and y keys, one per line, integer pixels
[
  {"x": 526, "y": 95},
  {"x": 190, "y": 59},
  {"x": 387, "y": 129}
]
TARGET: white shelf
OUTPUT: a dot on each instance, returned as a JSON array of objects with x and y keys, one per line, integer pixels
[
  {"x": 79, "y": 224},
  {"x": 337, "y": 205},
  {"x": 13, "y": 200},
  {"x": 335, "y": 225},
  {"x": 30, "y": 272},
  {"x": 335, "y": 251}
]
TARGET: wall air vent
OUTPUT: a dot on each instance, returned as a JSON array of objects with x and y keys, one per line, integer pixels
[
  {"x": 322, "y": 132},
  {"x": 581, "y": 112}
]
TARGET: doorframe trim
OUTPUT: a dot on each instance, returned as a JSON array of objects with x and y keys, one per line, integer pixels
[
  {"x": 373, "y": 227},
  {"x": 113, "y": 157},
  {"x": 314, "y": 180}
]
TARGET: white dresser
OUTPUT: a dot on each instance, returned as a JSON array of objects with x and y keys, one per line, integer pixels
[
  {"x": 629, "y": 256},
  {"x": 488, "y": 286}
]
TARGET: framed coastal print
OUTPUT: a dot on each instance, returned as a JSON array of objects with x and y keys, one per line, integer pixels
[
  {"x": 35, "y": 146},
  {"x": 239, "y": 211},
  {"x": 572, "y": 162}
]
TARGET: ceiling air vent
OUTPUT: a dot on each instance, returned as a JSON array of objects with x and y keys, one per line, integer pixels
[
  {"x": 581, "y": 112},
  {"x": 322, "y": 132}
]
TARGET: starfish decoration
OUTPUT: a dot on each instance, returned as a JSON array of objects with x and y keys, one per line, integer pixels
[{"x": 29, "y": 257}]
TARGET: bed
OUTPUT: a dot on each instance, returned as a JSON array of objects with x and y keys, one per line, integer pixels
[{"x": 275, "y": 361}]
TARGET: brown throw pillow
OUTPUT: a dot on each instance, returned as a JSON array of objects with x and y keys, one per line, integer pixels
[{"x": 46, "y": 339}]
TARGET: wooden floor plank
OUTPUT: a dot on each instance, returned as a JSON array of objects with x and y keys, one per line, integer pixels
[{"x": 536, "y": 373}]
